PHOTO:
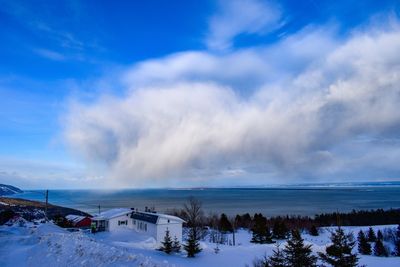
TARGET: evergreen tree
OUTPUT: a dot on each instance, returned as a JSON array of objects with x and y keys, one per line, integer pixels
[
  {"x": 339, "y": 254},
  {"x": 280, "y": 230},
  {"x": 224, "y": 225},
  {"x": 166, "y": 245},
  {"x": 297, "y": 254},
  {"x": 379, "y": 249},
  {"x": 364, "y": 247},
  {"x": 314, "y": 231},
  {"x": 379, "y": 235},
  {"x": 192, "y": 246},
  {"x": 263, "y": 262},
  {"x": 277, "y": 259},
  {"x": 397, "y": 242},
  {"x": 268, "y": 236},
  {"x": 176, "y": 245},
  {"x": 371, "y": 235},
  {"x": 193, "y": 214},
  {"x": 261, "y": 233}
]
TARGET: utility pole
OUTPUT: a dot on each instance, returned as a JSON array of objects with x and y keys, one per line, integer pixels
[
  {"x": 47, "y": 202},
  {"x": 234, "y": 228},
  {"x": 99, "y": 209}
]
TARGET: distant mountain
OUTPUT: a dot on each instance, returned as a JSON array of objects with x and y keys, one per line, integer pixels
[{"x": 6, "y": 189}]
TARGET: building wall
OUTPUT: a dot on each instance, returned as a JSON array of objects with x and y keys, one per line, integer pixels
[
  {"x": 85, "y": 223},
  {"x": 113, "y": 223},
  {"x": 144, "y": 228},
  {"x": 158, "y": 230},
  {"x": 154, "y": 230}
]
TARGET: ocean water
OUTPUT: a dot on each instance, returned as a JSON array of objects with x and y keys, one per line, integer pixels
[{"x": 232, "y": 201}]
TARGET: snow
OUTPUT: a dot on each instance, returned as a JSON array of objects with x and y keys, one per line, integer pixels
[
  {"x": 112, "y": 213},
  {"x": 74, "y": 218},
  {"x": 168, "y": 217},
  {"x": 49, "y": 245}
]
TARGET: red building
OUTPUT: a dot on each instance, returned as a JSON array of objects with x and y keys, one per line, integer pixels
[{"x": 79, "y": 221}]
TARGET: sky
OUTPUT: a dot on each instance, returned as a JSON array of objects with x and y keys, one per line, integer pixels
[{"x": 139, "y": 94}]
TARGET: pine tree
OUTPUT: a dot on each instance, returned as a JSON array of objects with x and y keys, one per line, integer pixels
[
  {"x": 280, "y": 230},
  {"x": 297, "y": 254},
  {"x": 379, "y": 235},
  {"x": 379, "y": 249},
  {"x": 193, "y": 214},
  {"x": 263, "y": 262},
  {"x": 192, "y": 246},
  {"x": 314, "y": 231},
  {"x": 397, "y": 242},
  {"x": 176, "y": 245},
  {"x": 166, "y": 245},
  {"x": 224, "y": 225},
  {"x": 364, "y": 247},
  {"x": 261, "y": 233},
  {"x": 371, "y": 235},
  {"x": 277, "y": 259},
  {"x": 339, "y": 254}
]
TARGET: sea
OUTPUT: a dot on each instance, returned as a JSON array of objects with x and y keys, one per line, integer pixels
[{"x": 292, "y": 200}]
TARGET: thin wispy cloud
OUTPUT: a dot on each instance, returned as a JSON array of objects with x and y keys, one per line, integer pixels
[
  {"x": 61, "y": 43},
  {"x": 49, "y": 54},
  {"x": 237, "y": 17}
]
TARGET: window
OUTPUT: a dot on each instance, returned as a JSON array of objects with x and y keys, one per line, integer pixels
[
  {"x": 122, "y": 222},
  {"x": 134, "y": 222},
  {"x": 142, "y": 226}
]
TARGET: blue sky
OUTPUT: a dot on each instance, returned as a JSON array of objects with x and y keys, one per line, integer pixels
[{"x": 198, "y": 93}]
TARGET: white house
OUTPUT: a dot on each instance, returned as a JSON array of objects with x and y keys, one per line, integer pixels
[
  {"x": 149, "y": 223},
  {"x": 113, "y": 219}
]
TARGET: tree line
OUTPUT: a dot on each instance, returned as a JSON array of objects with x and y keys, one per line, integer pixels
[{"x": 268, "y": 230}]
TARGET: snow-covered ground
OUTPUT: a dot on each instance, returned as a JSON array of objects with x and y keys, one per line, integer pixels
[{"x": 49, "y": 245}]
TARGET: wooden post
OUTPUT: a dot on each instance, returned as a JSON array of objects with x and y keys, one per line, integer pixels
[{"x": 47, "y": 202}]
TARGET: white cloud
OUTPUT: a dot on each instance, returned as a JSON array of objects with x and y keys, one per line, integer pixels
[
  {"x": 183, "y": 121},
  {"x": 246, "y": 69},
  {"x": 237, "y": 17}
]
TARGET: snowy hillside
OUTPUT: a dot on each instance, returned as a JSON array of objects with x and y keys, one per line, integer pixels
[
  {"x": 49, "y": 245},
  {"x": 9, "y": 190}
]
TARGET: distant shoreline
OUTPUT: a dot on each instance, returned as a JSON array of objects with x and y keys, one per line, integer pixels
[{"x": 263, "y": 187}]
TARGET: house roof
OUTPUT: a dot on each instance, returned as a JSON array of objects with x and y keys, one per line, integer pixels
[
  {"x": 170, "y": 217},
  {"x": 112, "y": 213},
  {"x": 153, "y": 217},
  {"x": 75, "y": 218},
  {"x": 137, "y": 215},
  {"x": 144, "y": 216}
]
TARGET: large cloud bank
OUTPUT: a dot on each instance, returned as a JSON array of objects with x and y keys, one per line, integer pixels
[{"x": 310, "y": 107}]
